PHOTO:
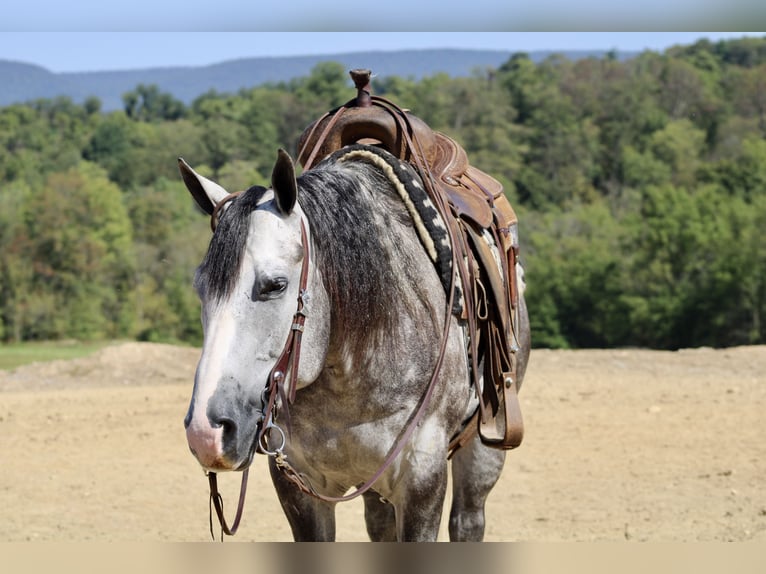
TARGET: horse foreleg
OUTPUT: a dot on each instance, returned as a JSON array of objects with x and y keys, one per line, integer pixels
[
  {"x": 418, "y": 503},
  {"x": 311, "y": 519},
  {"x": 475, "y": 470},
  {"x": 380, "y": 518}
]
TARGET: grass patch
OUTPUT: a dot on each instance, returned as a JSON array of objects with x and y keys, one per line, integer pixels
[{"x": 17, "y": 354}]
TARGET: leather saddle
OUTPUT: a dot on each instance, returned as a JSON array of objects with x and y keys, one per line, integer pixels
[{"x": 484, "y": 226}]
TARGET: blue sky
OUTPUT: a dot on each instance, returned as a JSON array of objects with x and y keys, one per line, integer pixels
[{"x": 95, "y": 51}]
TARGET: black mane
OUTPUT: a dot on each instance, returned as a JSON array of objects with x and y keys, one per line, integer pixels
[
  {"x": 351, "y": 208},
  {"x": 352, "y": 250}
]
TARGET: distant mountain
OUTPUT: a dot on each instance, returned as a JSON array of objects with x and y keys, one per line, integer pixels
[{"x": 20, "y": 82}]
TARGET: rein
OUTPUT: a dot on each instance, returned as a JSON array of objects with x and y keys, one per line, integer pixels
[{"x": 216, "y": 500}]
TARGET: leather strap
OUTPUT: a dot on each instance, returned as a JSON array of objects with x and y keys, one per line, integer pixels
[
  {"x": 309, "y": 163},
  {"x": 289, "y": 358},
  {"x": 302, "y": 481},
  {"x": 217, "y": 210},
  {"x": 216, "y": 501}
]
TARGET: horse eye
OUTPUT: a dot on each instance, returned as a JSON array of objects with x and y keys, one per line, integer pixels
[{"x": 271, "y": 288}]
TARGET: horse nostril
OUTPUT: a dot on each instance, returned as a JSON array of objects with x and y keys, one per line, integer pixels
[{"x": 228, "y": 426}]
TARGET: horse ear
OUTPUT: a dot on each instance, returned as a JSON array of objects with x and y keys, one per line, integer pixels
[
  {"x": 205, "y": 192},
  {"x": 283, "y": 182}
]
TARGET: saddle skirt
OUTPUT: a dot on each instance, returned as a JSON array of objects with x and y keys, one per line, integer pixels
[{"x": 485, "y": 231}]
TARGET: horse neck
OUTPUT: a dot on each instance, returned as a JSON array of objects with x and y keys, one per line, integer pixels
[{"x": 412, "y": 299}]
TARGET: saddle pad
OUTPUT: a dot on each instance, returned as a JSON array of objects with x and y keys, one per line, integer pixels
[{"x": 429, "y": 225}]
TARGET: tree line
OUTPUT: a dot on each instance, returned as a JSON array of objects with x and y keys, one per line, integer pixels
[{"x": 640, "y": 187}]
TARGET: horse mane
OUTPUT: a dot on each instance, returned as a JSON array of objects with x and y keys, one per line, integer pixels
[
  {"x": 355, "y": 246},
  {"x": 354, "y": 214}
]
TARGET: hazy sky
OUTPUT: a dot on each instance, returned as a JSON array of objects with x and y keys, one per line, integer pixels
[
  {"x": 391, "y": 15},
  {"x": 93, "y": 51}
]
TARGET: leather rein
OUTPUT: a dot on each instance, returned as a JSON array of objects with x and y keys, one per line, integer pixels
[{"x": 288, "y": 363}]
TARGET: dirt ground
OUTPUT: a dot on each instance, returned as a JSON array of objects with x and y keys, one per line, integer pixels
[{"x": 620, "y": 445}]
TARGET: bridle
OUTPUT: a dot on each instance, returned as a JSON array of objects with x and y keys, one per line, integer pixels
[
  {"x": 286, "y": 369},
  {"x": 287, "y": 364}
]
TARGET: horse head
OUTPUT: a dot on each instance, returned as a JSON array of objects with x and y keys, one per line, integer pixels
[{"x": 248, "y": 285}]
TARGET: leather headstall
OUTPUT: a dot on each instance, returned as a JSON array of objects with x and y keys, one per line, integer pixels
[{"x": 287, "y": 364}]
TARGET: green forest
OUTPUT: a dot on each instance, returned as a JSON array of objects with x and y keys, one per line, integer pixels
[{"x": 640, "y": 187}]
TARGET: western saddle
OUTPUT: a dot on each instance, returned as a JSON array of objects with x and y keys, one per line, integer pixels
[{"x": 483, "y": 229}]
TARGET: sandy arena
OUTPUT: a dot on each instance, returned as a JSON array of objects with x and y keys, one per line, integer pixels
[{"x": 620, "y": 445}]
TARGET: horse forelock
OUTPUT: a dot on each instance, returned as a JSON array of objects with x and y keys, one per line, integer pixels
[{"x": 216, "y": 276}]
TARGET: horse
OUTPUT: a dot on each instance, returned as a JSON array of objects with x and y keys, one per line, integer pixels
[{"x": 383, "y": 382}]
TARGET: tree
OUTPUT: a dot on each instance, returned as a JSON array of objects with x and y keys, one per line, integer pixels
[
  {"x": 683, "y": 288},
  {"x": 682, "y": 89},
  {"x": 14, "y": 270},
  {"x": 113, "y": 146},
  {"x": 92, "y": 105},
  {"x": 741, "y": 172},
  {"x": 327, "y": 86},
  {"x": 147, "y": 104},
  {"x": 560, "y": 150},
  {"x": 170, "y": 238},
  {"x": 519, "y": 76},
  {"x": 79, "y": 246},
  {"x": 748, "y": 89},
  {"x": 679, "y": 145},
  {"x": 576, "y": 277}
]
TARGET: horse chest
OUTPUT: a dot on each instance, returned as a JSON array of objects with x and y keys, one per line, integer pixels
[{"x": 341, "y": 438}]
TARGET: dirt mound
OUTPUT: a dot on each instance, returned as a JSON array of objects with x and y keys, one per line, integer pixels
[
  {"x": 116, "y": 365},
  {"x": 619, "y": 445}
]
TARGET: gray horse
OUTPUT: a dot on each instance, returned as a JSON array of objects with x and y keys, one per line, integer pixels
[{"x": 374, "y": 309}]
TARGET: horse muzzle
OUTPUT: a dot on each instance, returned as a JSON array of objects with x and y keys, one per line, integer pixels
[
  {"x": 221, "y": 443},
  {"x": 206, "y": 444}
]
